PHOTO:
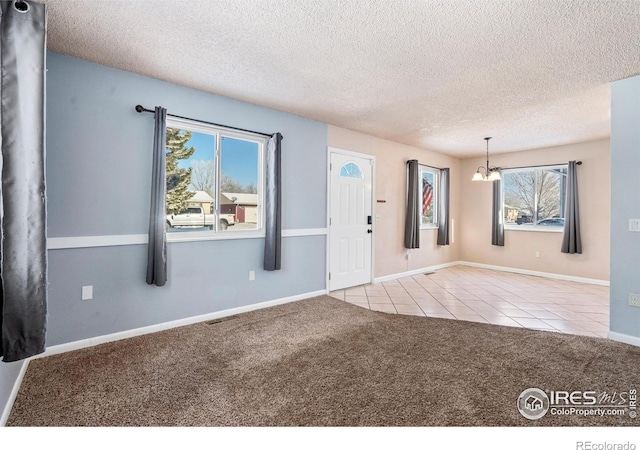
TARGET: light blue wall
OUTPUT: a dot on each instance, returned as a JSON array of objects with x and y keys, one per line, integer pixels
[
  {"x": 98, "y": 180},
  {"x": 98, "y": 148},
  {"x": 625, "y": 204},
  {"x": 204, "y": 277}
]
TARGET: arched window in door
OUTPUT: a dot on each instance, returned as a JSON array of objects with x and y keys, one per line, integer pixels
[{"x": 351, "y": 170}]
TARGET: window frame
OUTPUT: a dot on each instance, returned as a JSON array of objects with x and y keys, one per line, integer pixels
[
  {"x": 436, "y": 178},
  {"x": 534, "y": 226},
  {"x": 219, "y": 132}
]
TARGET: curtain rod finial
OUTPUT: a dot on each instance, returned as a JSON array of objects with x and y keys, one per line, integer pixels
[{"x": 139, "y": 108}]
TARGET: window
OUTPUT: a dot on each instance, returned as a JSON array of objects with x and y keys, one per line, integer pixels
[
  {"x": 351, "y": 170},
  {"x": 214, "y": 179},
  {"x": 534, "y": 197},
  {"x": 428, "y": 181}
]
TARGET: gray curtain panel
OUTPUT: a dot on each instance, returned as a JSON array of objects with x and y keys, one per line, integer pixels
[
  {"x": 414, "y": 199},
  {"x": 157, "y": 249},
  {"x": 443, "y": 208},
  {"x": 23, "y": 232},
  {"x": 571, "y": 242},
  {"x": 273, "y": 206},
  {"x": 497, "y": 222}
]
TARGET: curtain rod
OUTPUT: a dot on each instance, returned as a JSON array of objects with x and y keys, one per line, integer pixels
[
  {"x": 579, "y": 163},
  {"x": 142, "y": 109},
  {"x": 426, "y": 165}
]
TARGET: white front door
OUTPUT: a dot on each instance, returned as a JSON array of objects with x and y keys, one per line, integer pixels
[{"x": 350, "y": 220}]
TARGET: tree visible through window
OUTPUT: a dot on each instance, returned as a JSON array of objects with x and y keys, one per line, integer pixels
[
  {"x": 178, "y": 178},
  {"x": 214, "y": 178},
  {"x": 534, "y": 197}
]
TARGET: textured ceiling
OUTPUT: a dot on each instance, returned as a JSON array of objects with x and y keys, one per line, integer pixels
[{"x": 440, "y": 75}]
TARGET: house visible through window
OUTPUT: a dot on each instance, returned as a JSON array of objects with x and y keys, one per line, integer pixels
[
  {"x": 428, "y": 185},
  {"x": 534, "y": 197},
  {"x": 214, "y": 178}
]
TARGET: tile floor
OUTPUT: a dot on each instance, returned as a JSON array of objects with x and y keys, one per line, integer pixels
[{"x": 482, "y": 295}]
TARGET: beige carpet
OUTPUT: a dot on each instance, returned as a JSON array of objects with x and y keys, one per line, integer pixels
[{"x": 322, "y": 362}]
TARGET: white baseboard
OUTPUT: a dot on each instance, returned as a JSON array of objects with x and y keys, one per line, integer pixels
[
  {"x": 625, "y": 338},
  {"x": 554, "y": 276},
  {"x": 76, "y": 345},
  {"x": 14, "y": 393},
  {"x": 414, "y": 272}
]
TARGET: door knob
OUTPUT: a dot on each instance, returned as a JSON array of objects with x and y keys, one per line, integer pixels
[{"x": 369, "y": 231}]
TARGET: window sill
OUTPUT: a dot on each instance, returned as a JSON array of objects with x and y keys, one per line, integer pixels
[
  {"x": 429, "y": 227},
  {"x": 535, "y": 229},
  {"x": 193, "y": 236}
]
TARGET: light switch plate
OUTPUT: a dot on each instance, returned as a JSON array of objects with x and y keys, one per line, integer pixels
[
  {"x": 87, "y": 292},
  {"x": 634, "y": 225}
]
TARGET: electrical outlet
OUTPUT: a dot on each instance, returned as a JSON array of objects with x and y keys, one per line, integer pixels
[
  {"x": 634, "y": 300},
  {"x": 87, "y": 292},
  {"x": 537, "y": 254},
  {"x": 252, "y": 275}
]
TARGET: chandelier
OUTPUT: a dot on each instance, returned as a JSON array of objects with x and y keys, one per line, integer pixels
[{"x": 491, "y": 173}]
